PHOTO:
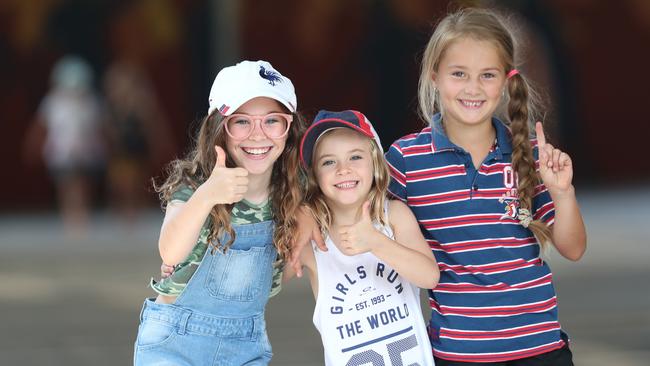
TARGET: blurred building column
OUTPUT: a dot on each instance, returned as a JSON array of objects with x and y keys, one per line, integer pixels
[{"x": 227, "y": 32}]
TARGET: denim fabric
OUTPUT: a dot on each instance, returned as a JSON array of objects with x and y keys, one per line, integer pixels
[{"x": 219, "y": 318}]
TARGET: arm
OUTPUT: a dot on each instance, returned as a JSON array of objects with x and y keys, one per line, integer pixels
[
  {"x": 181, "y": 227},
  {"x": 556, "y": 171},
  {"x": 408, "y": 254},
  {"x": 569, "y": 235},
  {"x": 306, "y": 260},
  {"x": 183, "y": 221},
  {"x": 307, "y": 230}
]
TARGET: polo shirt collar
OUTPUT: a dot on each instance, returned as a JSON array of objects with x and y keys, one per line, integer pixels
[
  {"x": 440, "y": 142},
  {"x": 504, "y": 137}
]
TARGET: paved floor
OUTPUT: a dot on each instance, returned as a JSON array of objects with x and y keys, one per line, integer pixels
[{"x": 66, "y": 302}]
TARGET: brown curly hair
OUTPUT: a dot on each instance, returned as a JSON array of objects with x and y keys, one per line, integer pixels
[{"x": 285, "y": 193}]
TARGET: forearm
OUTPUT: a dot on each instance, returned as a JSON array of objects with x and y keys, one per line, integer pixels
[
  {"x": 414, "y": 266},
  {"x": 569, "y": 235},
  {"x": 182, "y": 227}
]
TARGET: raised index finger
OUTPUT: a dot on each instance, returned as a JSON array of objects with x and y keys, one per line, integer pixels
[{"x": 539, "y": 131}]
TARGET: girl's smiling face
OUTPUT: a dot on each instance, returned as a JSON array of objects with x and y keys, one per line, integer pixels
[
  {"x": 470, "y": 80},
  {"x": 257, "y": 153},
  {"x": 343, "y": 167}
]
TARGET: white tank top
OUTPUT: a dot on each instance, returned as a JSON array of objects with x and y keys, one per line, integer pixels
[{"x": 366, "y": 313}]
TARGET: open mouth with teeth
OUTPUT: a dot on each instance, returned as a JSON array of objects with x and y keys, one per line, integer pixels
[
  {"x": 348, "y": 184},
  {"x": 472, "y": 104},
  {"x": 257, "y": 151}
]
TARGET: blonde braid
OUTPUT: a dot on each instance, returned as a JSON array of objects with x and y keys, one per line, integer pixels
[{"x": 523, "y": 162}]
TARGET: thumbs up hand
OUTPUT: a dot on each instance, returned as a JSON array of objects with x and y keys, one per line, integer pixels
[
  {"x": 555, "y": 166},
  {"x": 358, "y": 237},
  {"x": 226, "y": 185}
]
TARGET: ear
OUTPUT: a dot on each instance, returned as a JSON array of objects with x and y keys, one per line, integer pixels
[{"x": 434, "y": 75}]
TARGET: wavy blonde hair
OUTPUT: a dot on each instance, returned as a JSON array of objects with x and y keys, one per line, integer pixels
[
  {"x": 315, "y": 199},
  {"x": 520, "y": 104},
  {"x": 285, "y": 193}
]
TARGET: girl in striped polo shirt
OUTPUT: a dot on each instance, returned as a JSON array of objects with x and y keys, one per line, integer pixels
[{"x": 488, "y": 198}]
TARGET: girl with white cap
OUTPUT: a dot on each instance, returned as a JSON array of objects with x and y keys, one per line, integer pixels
[{"x": 230, "y": 208}]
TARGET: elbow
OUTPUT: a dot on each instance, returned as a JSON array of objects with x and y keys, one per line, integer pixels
[
  {"x": 168, "y": 256},
  {"x": 435, "y": 279},
  {"x": 432, "y": 280},
  {"x": 576, "y": 255},
  {"x": 168, "y": 259},
  {"x": 575, "y": 249}
]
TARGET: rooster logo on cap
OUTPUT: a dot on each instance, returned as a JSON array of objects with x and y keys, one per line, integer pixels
[{"x": 270, "y": 75}]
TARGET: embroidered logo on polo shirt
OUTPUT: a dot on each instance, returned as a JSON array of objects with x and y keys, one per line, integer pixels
[
  {"x": 512, "y": 209},
  {"x": 511, "y": 200}
]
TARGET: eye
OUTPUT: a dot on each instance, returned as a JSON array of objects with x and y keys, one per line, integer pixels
[
  {"x": 356, "y": 157},
  {"x": 327, "y": 162},
  {"x": 489, "y": 75},
  {"x": 272, "y": 120},
  {"x": 240, "y": 121},
  {"x": 458, "y": 74}
]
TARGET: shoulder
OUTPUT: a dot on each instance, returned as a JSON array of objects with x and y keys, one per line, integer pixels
[
  {"x": 414, "y": 139},
  {"x": 399, "y": 212},
  {"x": 407, "y": 147}
]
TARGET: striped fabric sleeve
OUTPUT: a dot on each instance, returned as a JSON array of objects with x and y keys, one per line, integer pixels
[{"x": 396, "y": 166}]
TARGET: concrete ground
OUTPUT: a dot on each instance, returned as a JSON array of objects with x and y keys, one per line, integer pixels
[{"x": 66, "y": 302}]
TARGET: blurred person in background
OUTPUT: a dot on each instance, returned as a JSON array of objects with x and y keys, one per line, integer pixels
[
  {"x": 67, "y": 128},
  {"x": 138, "y": 136}
]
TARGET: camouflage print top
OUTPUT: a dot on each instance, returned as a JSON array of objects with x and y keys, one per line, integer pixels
[{"x": 243, "y": 212}]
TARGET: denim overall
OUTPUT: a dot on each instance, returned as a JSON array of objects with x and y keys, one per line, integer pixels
[{"x": 218, "y": 319}]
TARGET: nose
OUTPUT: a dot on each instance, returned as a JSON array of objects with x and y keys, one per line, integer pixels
[
  {"x": 257, "y": 134},
  {"x": 472, "y": 86},
  {"x": 343, "y": 169}
]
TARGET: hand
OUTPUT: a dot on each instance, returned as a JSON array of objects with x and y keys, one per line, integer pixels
[
  {"x": 226, "y": 185},
  {"x": 166, "y": 271},
  {"x": 357, "y": 238},
  {"x": 555, "y": 167},
  {"x": 307, "y": 230}
]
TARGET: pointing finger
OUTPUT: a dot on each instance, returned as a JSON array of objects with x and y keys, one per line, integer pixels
[{"x": 541, "y": 138}]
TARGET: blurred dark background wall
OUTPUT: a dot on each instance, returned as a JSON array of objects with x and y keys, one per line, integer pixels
[{"x": 591, "y": 57}]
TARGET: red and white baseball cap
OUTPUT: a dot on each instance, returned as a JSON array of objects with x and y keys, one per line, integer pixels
[
  {"x": 327, "y": 120},
  {"x": 236, "y": 85}
]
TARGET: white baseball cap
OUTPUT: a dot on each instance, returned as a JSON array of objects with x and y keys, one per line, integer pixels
[{"x": 236, "y": 85}]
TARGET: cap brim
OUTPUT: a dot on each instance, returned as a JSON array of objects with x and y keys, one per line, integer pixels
[
  {"x": 275, "y": 96},
  {"x": 316, "y": 130}
]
